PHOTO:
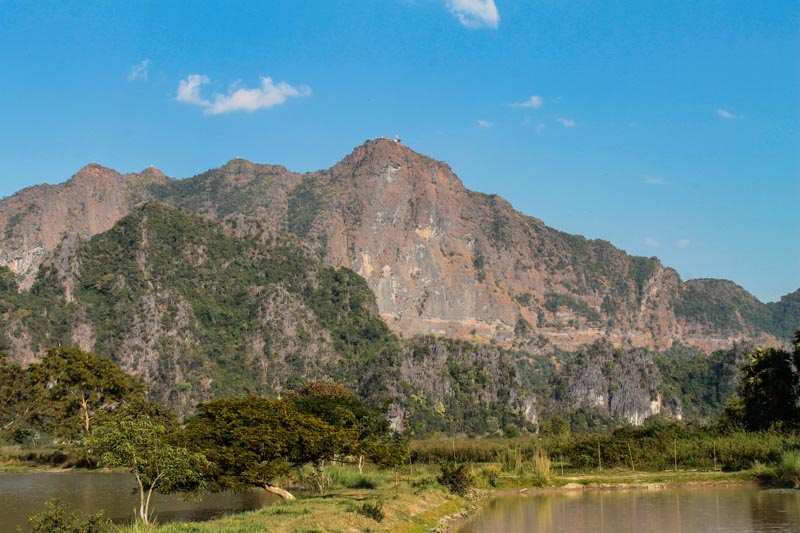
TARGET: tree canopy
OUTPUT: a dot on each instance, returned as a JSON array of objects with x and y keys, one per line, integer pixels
[
  {"x": 256, "y": 441},
  {"x": 73, "y": 386},
  {"x": 769, "y": 390}
]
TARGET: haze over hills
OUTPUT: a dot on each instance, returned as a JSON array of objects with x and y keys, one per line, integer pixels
[{"x": 441, "y": 259}]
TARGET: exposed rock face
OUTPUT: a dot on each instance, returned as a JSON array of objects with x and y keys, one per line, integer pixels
[
  {"x": 625, "y": 384},
  {"x": 441, "y": 259},
  {"x": 35, "y": 220}
]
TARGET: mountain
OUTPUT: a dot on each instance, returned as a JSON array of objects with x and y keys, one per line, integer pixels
[
  {"x": 440, "y": 259},
  {"x": 201, "y": 309}
]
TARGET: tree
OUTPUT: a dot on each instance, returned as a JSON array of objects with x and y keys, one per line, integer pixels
[
  {"x": 255, "y": 441},
  {"x": 74, "y": 386},
  {"x": 18, "y": 410},
  {"x": 361, "y": 430},
  {"x": 141, "y": 444},
  {"x": 770, "y": 387}
]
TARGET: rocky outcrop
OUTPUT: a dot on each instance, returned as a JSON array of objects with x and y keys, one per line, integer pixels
[
  {"x": 625, "y": 384},
  {"x": 34, "y": 221}
]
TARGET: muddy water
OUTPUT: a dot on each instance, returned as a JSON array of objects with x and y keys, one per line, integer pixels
[
  {"x": 708, "y": 509},
  {"x": 23, "y": 494}
]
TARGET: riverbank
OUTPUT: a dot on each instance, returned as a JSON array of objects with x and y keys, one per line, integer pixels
[{"x": 415, "y": 503}]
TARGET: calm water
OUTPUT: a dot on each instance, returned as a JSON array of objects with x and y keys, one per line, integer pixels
[
  {"x": 643, "y": 511},
  {"x": 23, "y": 494}
]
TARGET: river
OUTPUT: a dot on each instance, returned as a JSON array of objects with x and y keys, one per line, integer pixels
[
  {"x": 682, "y": 510},
  {"x": 23, "y": 494}
]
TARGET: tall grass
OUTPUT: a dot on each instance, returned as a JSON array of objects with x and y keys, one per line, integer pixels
[
  {"x": 656, "y": 447},
  {"x": 787, "y": 472},
  {"x": 348, "y": 477},
  {"x": 540, "y": 468}
]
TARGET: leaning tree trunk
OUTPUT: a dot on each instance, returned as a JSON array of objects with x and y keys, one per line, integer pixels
[{"x": 283, "y": 493}]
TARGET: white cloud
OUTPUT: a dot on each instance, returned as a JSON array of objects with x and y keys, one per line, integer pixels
[
  {"x": 534, "y": 102},
  {"x": 727, "y": 115},
  {"x": 540, "y": 128},
  {"x": 681, "y": 243},
  {"x": 485, "y": 124},
  {"x": 189, "y": 90},
  {"x": 139, "y": 71},
  {"x": 652, "y": 180},
  {"x": 651, "y": 241},
  {"x": 268, "y": 94},
  {"x": 567, "y": 123},
  {"x": 475, "y": 13}
]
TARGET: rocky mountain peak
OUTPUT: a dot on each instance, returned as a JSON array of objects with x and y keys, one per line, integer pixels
[
  {"x": 93, "y": 172},
  {"x": 152, "y": 174}
]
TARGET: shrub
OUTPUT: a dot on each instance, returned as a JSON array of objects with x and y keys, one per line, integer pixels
[
  {"x": 491, "y": 473},
  {"x": 787, "y": 471},
  {"x": 456, "y": 477},
  {"x": 373, "y": 510},
  {"x": 60, "y": 518}
]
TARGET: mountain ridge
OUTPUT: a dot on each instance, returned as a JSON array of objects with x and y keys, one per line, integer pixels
[{"x": 440, "y": 258}]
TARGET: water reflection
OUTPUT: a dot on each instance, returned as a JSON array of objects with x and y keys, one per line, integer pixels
[
  {"x": 23, "y": 494},
  {"x": 643, "y": 511}
]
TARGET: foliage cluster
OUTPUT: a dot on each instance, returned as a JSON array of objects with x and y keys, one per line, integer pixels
[
  {"x": 60, "y": 518},
  {"x": 456, "y": 477},
  {"x": 62, "y": 395}
]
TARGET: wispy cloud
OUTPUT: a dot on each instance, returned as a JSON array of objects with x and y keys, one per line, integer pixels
[
  {"x": 652, "y": 180},
  {"x": 681, "y": 243},
  {"x": 189, "y": 90},
  {"x": 534, "y": 102},
  {"x": 540, "y": 128},
  {"x": 567, "y": 123},
  {"x": 139, "y": 71},
  {"x": 727, "y": 115},
  {"x": 475, "y": 14},
  {"x": 268, "y": 94},
  {"x": 652, "y": 242},
  {"x": 485, "y": 124}
]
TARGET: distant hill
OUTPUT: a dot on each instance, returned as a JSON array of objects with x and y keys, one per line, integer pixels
[{"x": 440, "y": 259}]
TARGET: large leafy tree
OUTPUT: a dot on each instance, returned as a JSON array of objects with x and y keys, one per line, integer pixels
[
  {"x": 362, "y": 430},
  {"x": 74, "y": 386},
  {"x": 256, "y": 442},
  {"x": 769, "y": 389},
  {"x": 141, "y": 443}
]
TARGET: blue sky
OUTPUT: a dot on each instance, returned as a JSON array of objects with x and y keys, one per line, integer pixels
[{"x": 669, "y": 128}]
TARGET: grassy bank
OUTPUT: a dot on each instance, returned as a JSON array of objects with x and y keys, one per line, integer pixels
[
  {"x": 399, "y": 501},
  {"x": 413, "y": 501}
]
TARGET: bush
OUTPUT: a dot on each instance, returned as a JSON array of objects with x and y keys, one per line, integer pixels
[
  {"x": 314, "y": 477},
  {"x": 491, "y": 473},
  {"x": 787, "y": 471},
  {"x": 59, "y": 518},
  {"x": 456, "y": 477},
  {"x": 373, "y": 510}
]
